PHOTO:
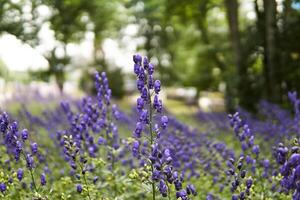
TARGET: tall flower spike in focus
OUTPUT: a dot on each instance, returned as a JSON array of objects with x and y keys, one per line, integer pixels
[{"x": 151, "y": 124}]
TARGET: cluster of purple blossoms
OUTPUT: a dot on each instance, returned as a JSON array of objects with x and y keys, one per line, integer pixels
[
  {"x": 91, "y": 128},
  {"x": 238, "y": 172},
  {"x": 153, "y": 124},
  {"x": 16, "y": 143},
  {"x": 95, "y": 117},
  {"x": 289, "y": 160},
  {"x": 109, "y": 112},
  {"x": 246, "y": 162},
  {"x": 275, "y": 124},
  {"x": 244, "y": 133},
  {"x": 287, "y": 156},
  {"x": 146, "y": 104}
]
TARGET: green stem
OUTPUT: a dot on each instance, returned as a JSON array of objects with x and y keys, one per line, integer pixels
[
  {"x": 85, "y": 182},
  {"x": 109, "y": 139},
  {"x": 110, "y": 143},
  {"x": 31, "y": 173},
  {"x": 153, "y": 190},
  {"x": 169, "y": 192},
  {"x": 151, "y": 141}
]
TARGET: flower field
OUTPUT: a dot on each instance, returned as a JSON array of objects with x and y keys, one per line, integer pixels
[{"x": 92, "y": 149}]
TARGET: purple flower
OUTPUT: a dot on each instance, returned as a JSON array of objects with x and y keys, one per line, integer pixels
[
  {"x": 150, "y": 82},
  {"x": 266, "y": 163},
  {"x": 140, "y": 104},
  {"x": 142, "y": 75},
  {"x": 92, "y": 151},
  {"x": 140, "y": 84},
  {"x": 24, "y": 134},
  {"x": 2, "y": 187},
  {"x": 190, "y": 189},
  {"x": 255, "y": 150},
  {"x": 243, "y": 173},
  {"x": 3, "y": 122},
  {"x": 14, "y": 126},
  {"x": 285, "y": 169},
  {"x": 101, "y": 140},
  {"x": 281, "y": 154},
  {"x": 144, "y": 116},
  {"x": 137, "y": 59},
  {"x": 251, "y": 140},
  {"x": 34, "y": 148},
  {"x": 294, "y": 159},
  {"x": 297, "y": 173},
  {"x": 156, "y": 175},
  {"x": 95, "y": 179},
  {"x": 182, "y": 194},
  {"x": 249, "y": 183},
  {"x": 292, "y": 96},
  {"x": 136, "y": 68},
  {"x": 242, "y": 195},
  {"x": 20, "y": 174},
  {"x": 29, "y": 161},
  {"x": 209, "y": 196},
  {"x": 157, "y": 86},
  {"x": 157, "y": 104},
  {"x": 164, "y": 121},
  {"x": 79, "y": 188},
  {"x": 116, "y": 112},
  {"x": 163, "y": 189},
  {"x": 178, "y": 184},
  {"x": 146, "y": 63},
  {"x": 135, "y": 148},
  {"x": 144, "y": 94},
  {"x": 138, "y": 129},
  {"x": 244, "y": 146},
  {"x": 43, "y": 179},
  {"x": 19, "y": 147},
  {"x": 151, "y": 69}
]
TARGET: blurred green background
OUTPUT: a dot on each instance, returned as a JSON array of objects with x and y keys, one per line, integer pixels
[{"x": 208, "y": 52}]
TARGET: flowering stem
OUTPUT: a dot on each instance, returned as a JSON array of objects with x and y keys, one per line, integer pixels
[
  {"x": 151, "y": 141},
  {"x": 153, "y": 185},
  {"x": 150, "y": 122},
  {"x": 109, "y": 119},
  {"x": 33, "y": 181},
  {"x": 110, "y": 141},
  {"x": 31, "y": 173},
  {"x": 169, "y": 192},
  {"x": 85, "y": 182}
]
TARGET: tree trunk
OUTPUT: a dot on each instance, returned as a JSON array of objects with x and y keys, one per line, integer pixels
[
  {"x": 270, "y": 50},
  {"x": 202, "y": 25},
  {"x": 243, "y": 88},
  {"x": 213, "y": 54},
  {"x": 232, "y": 17}
]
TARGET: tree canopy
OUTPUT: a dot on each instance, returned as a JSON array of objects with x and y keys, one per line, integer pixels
[{"x": 213, "y": 45}]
